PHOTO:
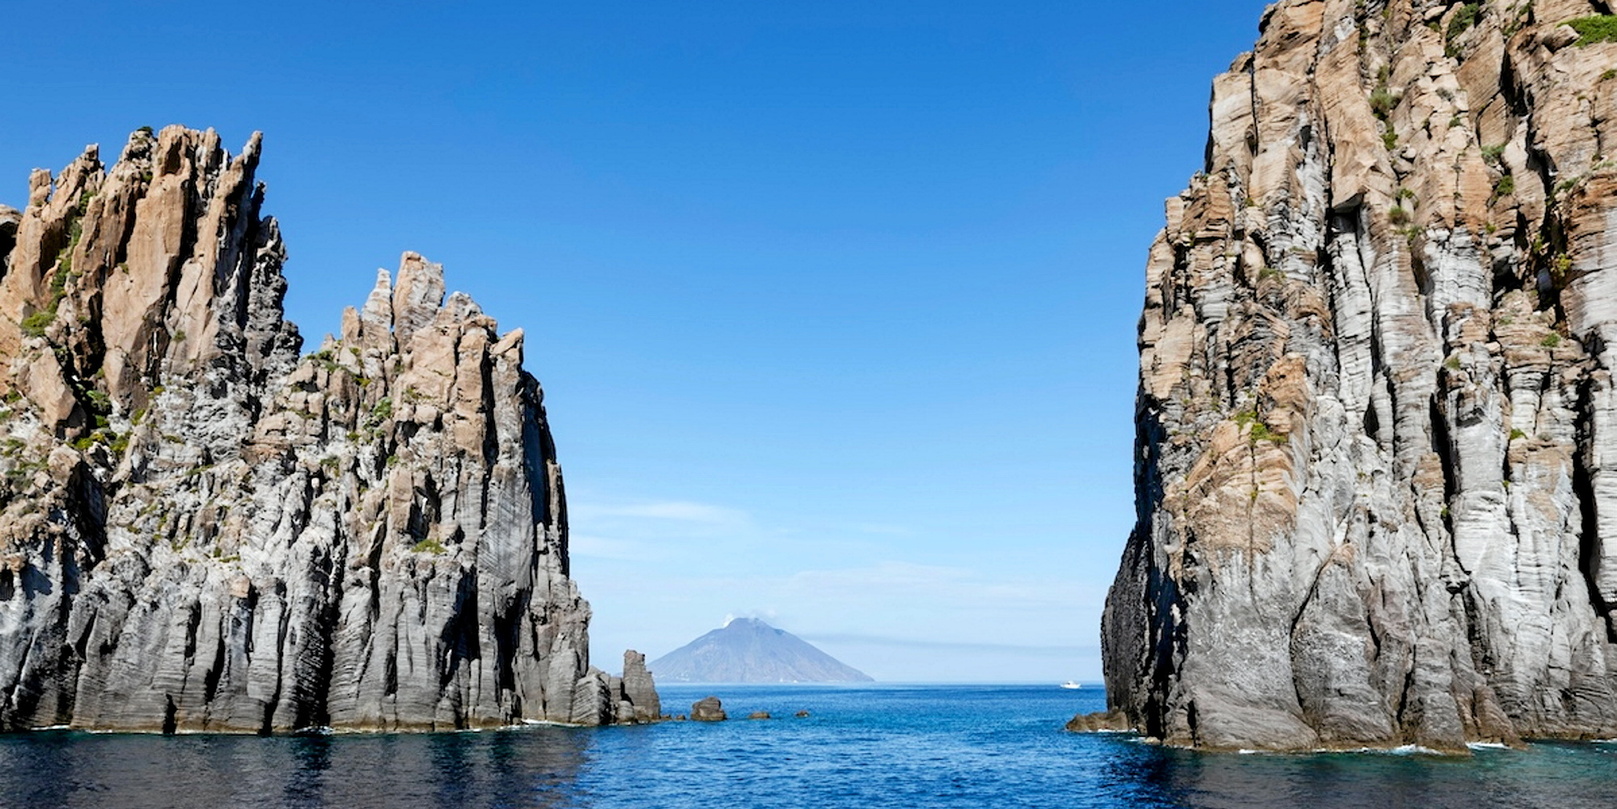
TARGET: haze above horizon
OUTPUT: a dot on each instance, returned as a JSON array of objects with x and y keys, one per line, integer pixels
[{"x": 834, "y": 305}]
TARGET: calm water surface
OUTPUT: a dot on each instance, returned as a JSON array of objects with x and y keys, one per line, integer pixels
[{"x": 870, "y": 746}]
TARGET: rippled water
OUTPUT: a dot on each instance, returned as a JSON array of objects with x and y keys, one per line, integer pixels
[{"x": 870, "y": 746}]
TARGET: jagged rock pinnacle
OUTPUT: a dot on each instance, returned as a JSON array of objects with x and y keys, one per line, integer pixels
[{"x": 202, "y": 530}]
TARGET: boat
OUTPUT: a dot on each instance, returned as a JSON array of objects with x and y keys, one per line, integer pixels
[{"x": 1070, "y": 684}]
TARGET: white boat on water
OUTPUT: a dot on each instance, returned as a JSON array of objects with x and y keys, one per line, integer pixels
[{"x": 1070, "y": 684}]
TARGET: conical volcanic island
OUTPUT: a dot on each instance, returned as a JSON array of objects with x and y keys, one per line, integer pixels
[{"x": 747, "y": 650}]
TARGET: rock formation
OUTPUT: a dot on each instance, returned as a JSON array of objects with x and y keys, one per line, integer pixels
[
  {"x": 202, "y": 530},
  {"x": 708, "y": 709},
  {"x": 1100, "y": 722},
  {"x": 747, "y": 650},
  {"x": 1376, "y": 469}
]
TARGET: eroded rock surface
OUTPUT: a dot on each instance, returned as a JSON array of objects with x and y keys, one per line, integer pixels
[
  {"x": 201, "y": 529},
  {"x": 1376, "y": 465}
]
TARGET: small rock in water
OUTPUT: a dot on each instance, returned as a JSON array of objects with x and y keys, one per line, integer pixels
[
  {"x": 758, "y": 715},
  {"x": 708, "y": 709},
  {"x": 802, "y": 714},
  {"x": 1098, "y": 721}
]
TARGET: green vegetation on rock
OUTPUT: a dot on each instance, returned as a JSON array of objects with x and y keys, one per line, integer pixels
[{"x": 1598, "y": 28}]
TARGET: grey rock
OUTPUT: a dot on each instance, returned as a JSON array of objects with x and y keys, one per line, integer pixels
[
  {"x": 201, "y": 529},
  {"x": 639, "y": 691},
  {"x": 1375, "y": 430},
  {"x": 592, "y": 701},
  {"x": 708, "y": 709}
]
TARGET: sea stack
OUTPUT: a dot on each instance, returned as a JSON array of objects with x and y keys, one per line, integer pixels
[
  {"x": 202, "y": 530},
  {"x": 1376, "y": 469}
]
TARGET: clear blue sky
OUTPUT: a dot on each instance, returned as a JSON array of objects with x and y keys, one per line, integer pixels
[{"x": 834, "y": 303}]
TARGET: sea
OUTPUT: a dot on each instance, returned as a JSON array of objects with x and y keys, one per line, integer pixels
[{"x": 909, "y": 746}]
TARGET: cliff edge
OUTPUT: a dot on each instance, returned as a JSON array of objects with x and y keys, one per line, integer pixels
[
  {"x": 201, "y": 529},
  {"x": 1376, "y": 468}
]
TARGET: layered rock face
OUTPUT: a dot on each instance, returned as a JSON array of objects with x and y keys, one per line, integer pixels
[
  {"x": 202, "y": 530},
  {"x": 1376, "y": 465}
]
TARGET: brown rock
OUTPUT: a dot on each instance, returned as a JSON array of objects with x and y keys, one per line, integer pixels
[
  {"x": 708, "y": 709},
  {"x": 1099, "y": 721}
]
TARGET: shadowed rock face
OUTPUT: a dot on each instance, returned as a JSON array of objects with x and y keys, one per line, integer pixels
[
  {"x": 202, "y": 530},
  {"x": 1376, "y": 475}
]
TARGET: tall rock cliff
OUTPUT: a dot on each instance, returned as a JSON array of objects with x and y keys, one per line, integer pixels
[
  {"x": 1376, "y": 470},
  {"x": 202, "y": 530}
]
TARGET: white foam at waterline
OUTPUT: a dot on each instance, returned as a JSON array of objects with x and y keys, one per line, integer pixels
[{"x": 1414, "y": 750}]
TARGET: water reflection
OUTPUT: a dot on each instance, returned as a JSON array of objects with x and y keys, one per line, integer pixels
[
  {"x": 911, "y": 748},
  {"x": 518, "y": 768},
  {"x": 1551, "y": 776},
  {"x": 305, "y": 782}
]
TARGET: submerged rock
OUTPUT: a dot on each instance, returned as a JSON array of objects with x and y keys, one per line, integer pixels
[
  {"x": 201, "y": 529},
  {"x": 1099, "y": 721},
  {"x": 1376, "y": 466}
]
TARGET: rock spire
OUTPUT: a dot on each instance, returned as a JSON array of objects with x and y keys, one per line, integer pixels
[{"x": 201, "y": 529}]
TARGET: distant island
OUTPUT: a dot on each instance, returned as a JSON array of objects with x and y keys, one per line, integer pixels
[{"x": 747, "y": 650}]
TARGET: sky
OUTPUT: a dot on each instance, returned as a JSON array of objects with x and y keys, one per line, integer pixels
[{"x": 834, "y": 303}]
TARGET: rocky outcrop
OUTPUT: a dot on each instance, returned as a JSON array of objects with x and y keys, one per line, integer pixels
[
  {"x": 708, "y": 709},
  {"x": 1099, "y": 722},
  {"x": 201, "y": 529},
  {"x": 639, "y": 691},
  {"x": 1376, "y": 469}
]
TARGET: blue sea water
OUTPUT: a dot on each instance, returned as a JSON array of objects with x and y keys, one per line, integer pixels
[{"x": 914, "y": 747}]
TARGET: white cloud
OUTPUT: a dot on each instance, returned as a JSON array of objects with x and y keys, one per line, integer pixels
[
  {"x": 933, "y": 582},
  {"x": 598, "y": 547},
  {"x": 882, "y": 529},
  {"x": 675, "y": 510}
]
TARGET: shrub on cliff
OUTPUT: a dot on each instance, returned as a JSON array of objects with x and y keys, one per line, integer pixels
[{"x": 1598, "y": 28}]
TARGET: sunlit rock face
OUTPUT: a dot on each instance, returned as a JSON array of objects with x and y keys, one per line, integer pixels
[
  {"x": 1376, "y": 470},
  {"x": 201, "y": 529}
]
